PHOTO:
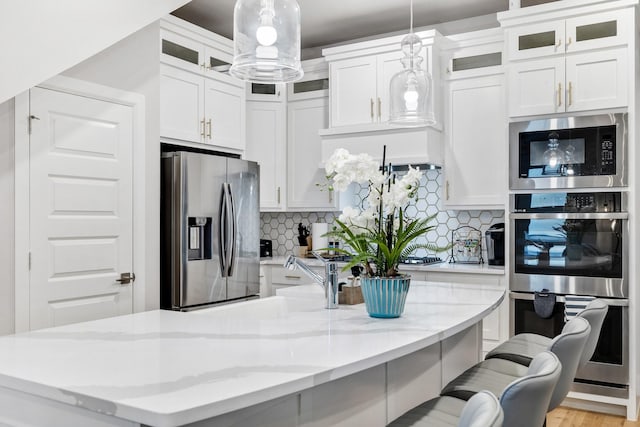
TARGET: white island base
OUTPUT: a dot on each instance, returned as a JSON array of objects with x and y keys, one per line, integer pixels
[{"x": 282, "y": 361}]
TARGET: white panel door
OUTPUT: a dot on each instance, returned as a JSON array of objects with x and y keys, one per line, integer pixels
[
  {"x": 388, "y": 65},
  {"x": 181, "y": 105},
  {"x": 225, "y": 112},
  {"x": 597, "y": 80},
  {"x": 477, "y": 137},
  {"x": 266, "y": 144},
  {"x": 536, "y": 87},
  {"x": 81, "y": 235},
  {"x": 353, "y": 91},
  {"x": 305, "y": 118}
]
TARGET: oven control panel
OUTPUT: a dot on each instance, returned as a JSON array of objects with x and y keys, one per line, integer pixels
[
  {"x": 598, "y": 202},
  {"x": 607, "y": 155}
]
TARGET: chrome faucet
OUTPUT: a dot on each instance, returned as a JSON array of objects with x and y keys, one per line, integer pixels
[{"x": 329, "y": 282}]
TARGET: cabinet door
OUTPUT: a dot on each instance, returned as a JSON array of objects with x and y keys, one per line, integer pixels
[
  {"x": 305, "y": 118},
  {"x": 182, "y": 52},
  {"x": 353, "y": 91},
  {"x": 598, "y": 30},
  {"x": 536, "y": 40},
  {"x": 181, "y": 105},
  {"x": 266, "y": 92},
  {"x": 597, "y": 80},
  {"x": 216, "y": 62},
  {"x": 476, "y": 149},
  {"x": 388, "y": 65},
  {"x": 225, "y": 114},
  {"x": 266, "y": 144},
  {"x": 537, "y": 87}
]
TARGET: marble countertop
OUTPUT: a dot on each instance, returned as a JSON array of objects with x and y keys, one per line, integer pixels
[
  {"x": 440, "y": 267},
  {"x": 167, "y": 368}
]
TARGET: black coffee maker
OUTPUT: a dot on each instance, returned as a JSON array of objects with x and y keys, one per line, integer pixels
[{"x": 494, "y": 238}]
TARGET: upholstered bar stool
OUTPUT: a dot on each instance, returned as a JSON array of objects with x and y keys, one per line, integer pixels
[
  {"x": 524, "y": 402},
  {"x": 522, "y": 347},
  {"x": 495, "y": 374}
]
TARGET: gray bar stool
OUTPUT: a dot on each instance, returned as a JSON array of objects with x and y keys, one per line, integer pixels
[
  {"x": 495, "y": 374},
  {"x": 522, "y": 347},
  {"x": 528, "y": 395}
]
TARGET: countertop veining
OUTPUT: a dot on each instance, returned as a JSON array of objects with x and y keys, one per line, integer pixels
[{"x": 168, "y": 368}]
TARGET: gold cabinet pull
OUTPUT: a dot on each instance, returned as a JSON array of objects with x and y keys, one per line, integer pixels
[
  {"x": 559, "y": 43},
  {"x": 379, "y": 109},
  {"x": 330, "y": 196},
  {"x": 293, "y": 277},
  {"x": 202, "y": 127},
  {"x": 568, "y": 42},
  {"x": 447, "y": 190},
  {"x": 371, "y": 99},
  {"x": 570, "y": 100},
  {"x": 278, "y": 192},
  {"x": 209, "y": 128},
  {"x": 559, "y": 94}
]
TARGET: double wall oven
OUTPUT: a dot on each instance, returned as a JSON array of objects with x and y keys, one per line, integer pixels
[{"x": 569, "y": 234}]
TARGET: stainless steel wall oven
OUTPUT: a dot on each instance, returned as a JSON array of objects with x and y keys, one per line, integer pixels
[{"x": 574, "y": 244}]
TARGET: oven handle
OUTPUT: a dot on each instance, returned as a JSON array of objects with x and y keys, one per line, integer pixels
[
  {"x": 558, "y": 215},
  {"x": 622, "y": 302}
]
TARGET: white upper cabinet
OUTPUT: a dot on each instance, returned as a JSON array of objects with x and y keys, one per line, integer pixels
[
  {"x": 585, "y": 32},
  {"x": 224, "y": 111},
  {"x": 181, "y": 105},
  {"x": 266, "y": 92},
  {"x": 282, "y": 136},
  {"x": 578, "y": 63},
  {"x": 360, "y": 74},
  {"x": 304, "y": 119},
  {"x": 353, "y": 91},
  {"x": 475, "y": 123},
  {"x": 199, "y": 101},
  {"x": 266, "y": 144},
  {"x": 475, "y": 161}
]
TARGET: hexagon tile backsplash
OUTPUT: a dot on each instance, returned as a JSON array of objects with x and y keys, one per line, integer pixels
[{"x": 282, "y": 227}]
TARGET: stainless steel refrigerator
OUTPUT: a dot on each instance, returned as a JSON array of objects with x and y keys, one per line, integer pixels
[{"x": 210, "y": 239}]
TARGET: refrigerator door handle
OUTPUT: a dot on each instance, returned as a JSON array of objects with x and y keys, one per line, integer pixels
[
  {"x": 230, "y": 233},
  {"x": 233, "y": 234},
  {"x": 222, "y": 238}
]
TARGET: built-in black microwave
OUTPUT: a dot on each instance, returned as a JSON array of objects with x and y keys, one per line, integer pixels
[{"x": 569, "y": 152}]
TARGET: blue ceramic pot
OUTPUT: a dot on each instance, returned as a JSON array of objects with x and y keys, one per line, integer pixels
[{"x": 384, "y": 297}]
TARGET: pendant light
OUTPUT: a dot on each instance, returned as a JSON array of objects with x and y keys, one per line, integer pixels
[
  {"x": 410, "y": 89},
  {"x": 266, "y": 41}
]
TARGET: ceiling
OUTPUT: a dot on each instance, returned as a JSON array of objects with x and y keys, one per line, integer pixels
[{"x": 327, "y": 22}]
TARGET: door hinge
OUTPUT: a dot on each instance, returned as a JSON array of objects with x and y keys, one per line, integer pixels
[
  {"x": 31, "y": 119},
  {"x": 126, "y": 278}
]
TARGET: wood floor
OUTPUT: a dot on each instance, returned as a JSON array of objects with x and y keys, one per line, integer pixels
[{"x": 566, "y": 417}]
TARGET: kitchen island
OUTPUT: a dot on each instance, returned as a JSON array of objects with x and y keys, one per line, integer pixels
[{"x": 280, "y": 361}]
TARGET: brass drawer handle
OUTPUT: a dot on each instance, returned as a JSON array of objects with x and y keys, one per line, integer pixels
[{"x": 293, "y": 277}]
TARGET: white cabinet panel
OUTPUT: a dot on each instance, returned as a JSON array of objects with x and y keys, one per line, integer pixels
[
  {"x": 388, "y": 65},
  {"x": 305, "y": 119},
  {"x": 477, "y": 137},
  {"x": 266, "y": 144},
  {"x": 224, "y": 108},
  {"x": 353, "y": 91},
  {"x": 597, "y": 80},
  {"x": 536, "y": 87},
  {"x": 181, "y": 104},
  {"x": 582, "y": 63}
]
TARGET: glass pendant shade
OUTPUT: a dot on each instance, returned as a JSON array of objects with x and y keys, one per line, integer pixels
[
  {"x": 410, "y": 89},
  {"x": 266, "y": 41}
]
